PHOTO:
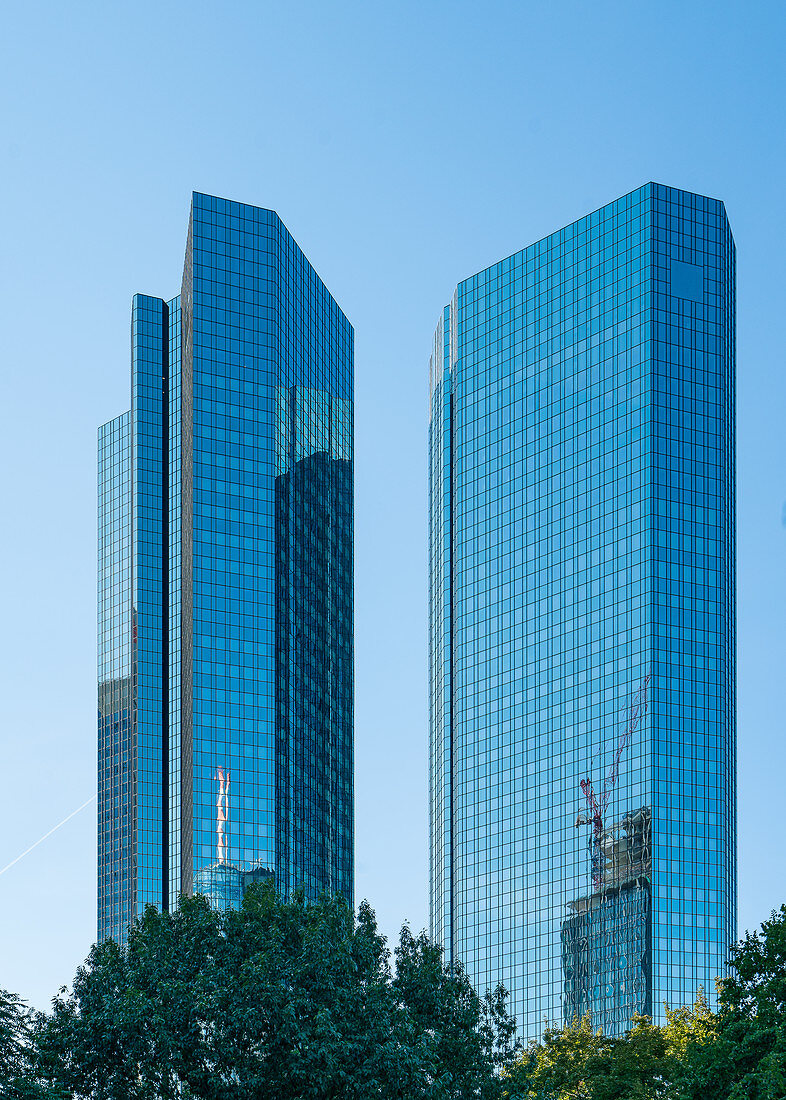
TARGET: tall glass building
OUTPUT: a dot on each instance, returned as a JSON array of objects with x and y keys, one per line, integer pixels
[
  {"x": 225, "y": 590},
  {"x": 582, "y": 615}
]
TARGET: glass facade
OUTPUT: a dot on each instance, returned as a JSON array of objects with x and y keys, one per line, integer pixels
[
  {"x": 116, "y": 757},
  {"x": 582, "y": 615},
  {"x": 225, "y": 582}
]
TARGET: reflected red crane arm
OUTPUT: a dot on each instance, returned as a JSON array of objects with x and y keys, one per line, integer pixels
[
  {"x": 589, "y": 794},
  {"x": 637, "y": 709}
]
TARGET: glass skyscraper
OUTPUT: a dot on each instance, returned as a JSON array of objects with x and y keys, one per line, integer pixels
[
  {"x": 225, "y": 588},
  {"x": 582, "y": 615}
]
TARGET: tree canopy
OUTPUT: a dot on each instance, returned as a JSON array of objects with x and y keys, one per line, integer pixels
[
  {"x": 277, "y": 1000},
  {"x": 18, "y": 1077},
  {"x": 736, "y": 1053},
  {"x": 747, "y": 1059},
  {"x": 579, "y": 1063},
  {"x": 297, "y": 1001}
]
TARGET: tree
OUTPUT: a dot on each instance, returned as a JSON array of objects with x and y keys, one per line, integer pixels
[
  {"x": 278, "y": 999},
  {"x": 18, "y": 1079},
  {"x": 649, "y": 1062},
  {"x": 12, "y": 1034},
  {"x": 747, "y": 1060},
  {"x": 14, "y": 1041},
  {"x": 577, "y": 1063},
  {"x": 469, "y": 1038},
  {"x": 556, "y": 1067}
]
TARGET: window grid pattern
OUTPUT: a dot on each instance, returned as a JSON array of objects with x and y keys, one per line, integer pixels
[
  {"x": 694, "y": 748},
  {"x": 149, "y": 371},
  {"x": 314, "y": 581},
  {"x": 232, "y": 542},
  {"x": 174, "y": 588},
  {"x": 241, "y": 566},
  {"x": 116, "y": 776},
  {"x": 440, "y": 631},
  {"x": 559, "y": 420}
]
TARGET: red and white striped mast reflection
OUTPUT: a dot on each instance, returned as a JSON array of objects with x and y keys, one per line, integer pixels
[{"x": 222, "y": 815}]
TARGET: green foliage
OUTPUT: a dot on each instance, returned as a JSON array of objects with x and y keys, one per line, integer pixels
[
  {"x": 577, "y": 1063},
  {"x": 284, "y": 1000},
  {"x": 299, "y": 1002},
  {"x": 648, "y": 1063},
  {"x": 13, "y": 1033},
  {"x": 17, "y": 1051},
  {"x": 738, "y": 1053},
  {"x": 747, "y": 1060}
]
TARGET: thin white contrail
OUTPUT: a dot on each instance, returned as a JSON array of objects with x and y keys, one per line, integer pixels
[{"x": 41, "y": 839}]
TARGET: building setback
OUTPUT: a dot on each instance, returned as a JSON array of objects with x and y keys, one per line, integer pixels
[
  {"x": 225, "y": 591},
  {"x": 582, "y": 615}
]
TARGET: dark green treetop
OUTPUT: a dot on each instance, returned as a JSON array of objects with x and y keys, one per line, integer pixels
[{"x": 276, "y": 1000}]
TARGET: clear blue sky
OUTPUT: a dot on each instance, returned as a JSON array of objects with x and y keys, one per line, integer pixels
[{"x": 405, "y": 145}]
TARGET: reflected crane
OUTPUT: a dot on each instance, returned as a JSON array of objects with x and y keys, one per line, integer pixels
[{"x": 598, "y": 805}]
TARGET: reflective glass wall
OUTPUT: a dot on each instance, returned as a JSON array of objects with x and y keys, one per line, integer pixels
[
  {"x": 240, "y": 565},
  {"x": 116, "y": 753},
  {"x": 582, "y": 615}
]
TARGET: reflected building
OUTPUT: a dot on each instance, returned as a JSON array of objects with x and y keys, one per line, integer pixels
[
  {"x": 607, "y": 937},
  {"x": 582, "y": 615},
  {"x": 225, "y": 582}
]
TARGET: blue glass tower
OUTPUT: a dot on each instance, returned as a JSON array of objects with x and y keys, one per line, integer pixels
[
  {"x": 582, "y": 615},
  {"x": 225, "y": 632}
]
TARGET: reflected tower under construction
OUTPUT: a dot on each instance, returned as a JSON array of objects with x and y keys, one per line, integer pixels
[
  {"x": 582, "y": 615},
  {"x": 225, "y": 590}
]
